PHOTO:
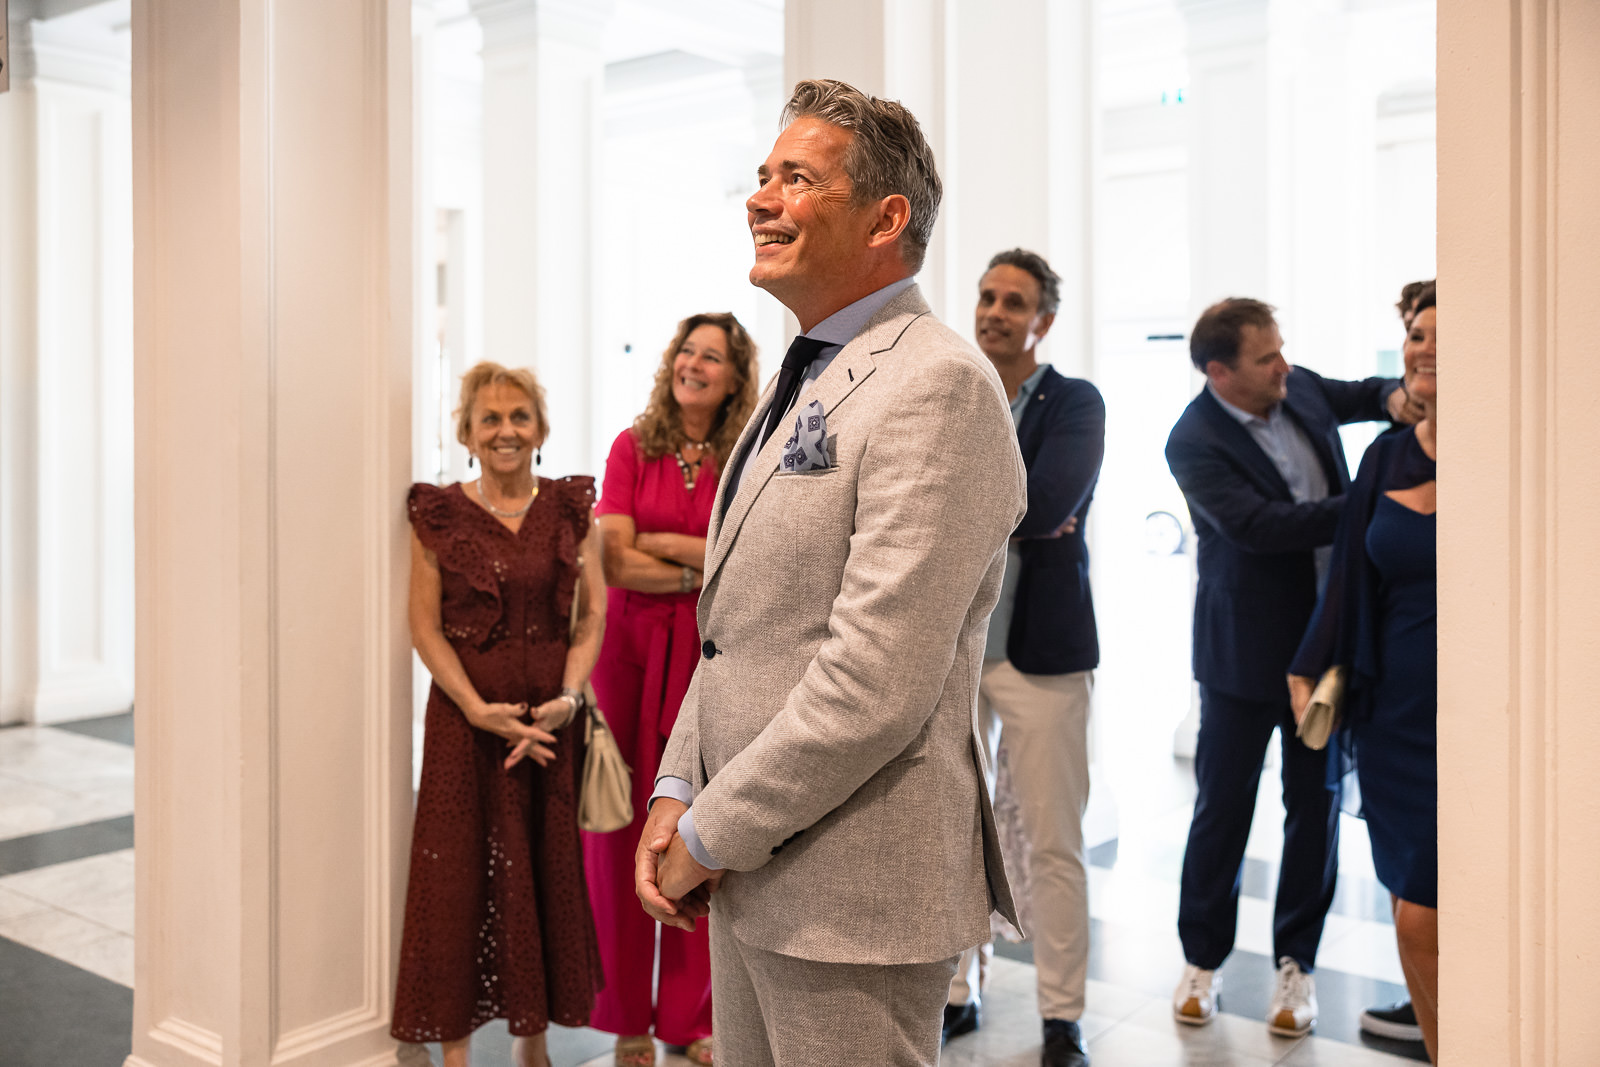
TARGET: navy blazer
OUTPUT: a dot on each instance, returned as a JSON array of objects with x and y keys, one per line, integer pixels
[
  {"x": 1258, "y": 579},
  {"x": 1062, "y": 436}
]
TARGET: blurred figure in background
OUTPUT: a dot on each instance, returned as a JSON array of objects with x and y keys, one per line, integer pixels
[
  {"x": 1042, "y": 649},
  {"x": 1258, "y": 456},
  {"x": 497, "y": 922},
  {"x": 661, "y": 479},
  {"x": 1398, "y": 1021},
  {"x": 1378, "y": 620}
]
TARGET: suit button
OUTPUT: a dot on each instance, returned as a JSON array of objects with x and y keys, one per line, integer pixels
[{"x": 708, "y": 649}]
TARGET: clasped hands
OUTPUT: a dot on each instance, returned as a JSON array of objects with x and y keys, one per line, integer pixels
[
  {"x": 532, "y": 740},
  {"x": 672, "y": 885}
]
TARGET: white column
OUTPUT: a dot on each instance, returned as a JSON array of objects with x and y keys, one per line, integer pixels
[
  {"x": 66, "y": 561},
  {"x": 1232, "y": 164},
  {"x": 897, "y": 49},
  {"x": 272, "y": 416},
  {"x": 543, "y": 81},
  {"x": 1231, "y": 174},
  {"x": 1519, "y": 578}
]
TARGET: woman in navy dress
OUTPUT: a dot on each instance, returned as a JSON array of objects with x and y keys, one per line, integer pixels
[{"x": 1378, "y": 619}]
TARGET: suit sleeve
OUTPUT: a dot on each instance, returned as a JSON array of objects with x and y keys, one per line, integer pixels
[
  {"x": 930, "y": 522},
  {"x": 1363, "y": 401},
  {"x": 1246, "y": 517},
  {"x": 1067, "y": 464},
  {"x": 682, "y": 754}
]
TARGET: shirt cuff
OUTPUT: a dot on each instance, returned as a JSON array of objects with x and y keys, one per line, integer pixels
[
  {"x": 691, "y": 838},
  {"x": 669, "y": 786}
]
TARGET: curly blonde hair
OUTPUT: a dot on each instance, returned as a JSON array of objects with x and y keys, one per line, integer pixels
[
  {"x": 660, "y": 428},
  {"x": 490, "y": 373}
]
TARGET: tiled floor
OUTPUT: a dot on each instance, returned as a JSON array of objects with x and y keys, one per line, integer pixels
[{"x": 66, "y": 928}]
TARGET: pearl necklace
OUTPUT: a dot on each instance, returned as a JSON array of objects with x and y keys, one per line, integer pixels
[{"x": 508, "y": 514}]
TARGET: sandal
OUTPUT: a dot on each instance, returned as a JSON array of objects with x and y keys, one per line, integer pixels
[
  {"x": 699, "y": 1052},
  {"x": 638, "y": 1051}
]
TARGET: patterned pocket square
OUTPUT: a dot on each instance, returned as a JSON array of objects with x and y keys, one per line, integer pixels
[{"x": 807, "y": 448}]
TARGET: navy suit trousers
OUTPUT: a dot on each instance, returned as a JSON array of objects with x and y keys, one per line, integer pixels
[{"x": 1234, "y": 734}]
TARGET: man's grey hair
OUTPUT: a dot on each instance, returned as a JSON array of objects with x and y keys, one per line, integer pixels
[
  {"x": 887, "y": 155},
  {"x": 1036, "y": 265}
]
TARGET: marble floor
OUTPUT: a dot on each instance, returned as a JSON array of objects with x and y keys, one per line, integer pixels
[{"x": 66, "y": 927}]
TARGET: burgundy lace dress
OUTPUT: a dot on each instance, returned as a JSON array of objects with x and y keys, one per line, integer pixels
[{"x": 497, "y": 912}]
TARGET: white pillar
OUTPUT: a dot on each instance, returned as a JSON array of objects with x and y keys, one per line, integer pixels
[
  {"x": 1232, "y": 163},
  {"x": 66, "y": 505},
  {"x": 897, "y": 49},
  {"x": 272, "y": 418},
  {"x": 1231, "y": 173},
  {"x": 543, "y": 83},
  {"x": 1519, "y": 578}
]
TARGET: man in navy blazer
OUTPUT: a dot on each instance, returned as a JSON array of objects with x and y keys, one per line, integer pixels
[
  {"x": 1258, "y": 456},
  {"x": 1042, "y": 647}
]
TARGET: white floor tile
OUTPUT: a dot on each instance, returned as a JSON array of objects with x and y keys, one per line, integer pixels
[
  {"x": 1233, "y": 1034},
  {"x": 1131, "y": 1045},
  {"x": 33, "y": 808},
  {"x": 53, "y": 931},
  {"x": 15, "y": 905},
  {"x": 65, "y": 885}
]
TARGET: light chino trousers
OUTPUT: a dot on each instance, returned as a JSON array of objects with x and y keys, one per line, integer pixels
[{"x": 1044, "y": 719}]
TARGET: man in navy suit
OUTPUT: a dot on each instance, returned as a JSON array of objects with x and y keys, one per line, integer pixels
[
  {"x": 1258, "y": 456},
  {"x": 1042, "y": 646}
]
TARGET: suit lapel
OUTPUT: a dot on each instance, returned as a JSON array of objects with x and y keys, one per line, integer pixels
[
  {"x": 1241, "y": 444},
  {"x": 853, "y": 365}
]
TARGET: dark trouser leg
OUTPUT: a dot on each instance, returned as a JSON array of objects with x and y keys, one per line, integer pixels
[
  {"x": 1227, "y": 769},
  {"x": 1310, "y": 866}
]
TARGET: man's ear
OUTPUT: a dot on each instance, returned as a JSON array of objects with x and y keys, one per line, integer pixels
[
  {"x": 1045, "y": 322},
  {"x": 892, "y": 216},
  {"x": 1216, "y": 371}
]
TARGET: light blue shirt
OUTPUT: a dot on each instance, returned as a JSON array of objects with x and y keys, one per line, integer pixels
[
  {"x": 838, "y": 330},
  {"x": 1000, "y": 621},
  {"x": 1287, "y": 446}
]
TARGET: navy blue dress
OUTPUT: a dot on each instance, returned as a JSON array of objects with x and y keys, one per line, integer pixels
[
  {"x": 1396, "y": 749},
  {"x": 1378, "y": 618}
]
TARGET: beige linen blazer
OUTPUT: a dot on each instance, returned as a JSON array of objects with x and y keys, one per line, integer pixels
[{"x": 830, "y": 738}]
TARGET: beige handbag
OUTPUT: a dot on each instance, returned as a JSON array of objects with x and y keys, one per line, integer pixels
[
  {"x": 1324, "y": 711},
  {"x": 605, "y": 796}
]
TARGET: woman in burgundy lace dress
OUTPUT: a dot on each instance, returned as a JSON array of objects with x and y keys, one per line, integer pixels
[{"x": 497, "y": 918}]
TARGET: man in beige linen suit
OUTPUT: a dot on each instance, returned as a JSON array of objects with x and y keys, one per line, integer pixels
[{"x": 856, "y": 549}]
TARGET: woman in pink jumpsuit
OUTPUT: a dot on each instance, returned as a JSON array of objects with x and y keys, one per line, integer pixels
[{"x": 661, "y": 480}]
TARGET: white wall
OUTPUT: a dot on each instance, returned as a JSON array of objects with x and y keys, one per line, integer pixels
[{"x": 66, "y": 550}]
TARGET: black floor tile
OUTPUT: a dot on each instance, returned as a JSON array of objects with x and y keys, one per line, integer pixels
[
  {"x": 118, "y": 728},
  {"x": 71, "y": 843},
  {"x": 53, "y": 1014}
]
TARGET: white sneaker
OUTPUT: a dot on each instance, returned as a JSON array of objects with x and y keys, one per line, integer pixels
[
  {"x": 1293, "y": 1011},
  {"x": 1195, "y": 1000}
]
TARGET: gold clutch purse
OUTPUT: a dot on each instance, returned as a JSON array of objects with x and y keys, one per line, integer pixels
[{"x": 1324, "y": 711}]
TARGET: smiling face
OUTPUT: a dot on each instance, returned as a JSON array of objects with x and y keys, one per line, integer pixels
[
  {"x": 1009, "y": 325},
  {"x": 702, "y": 374},
  {"x": 806, "y": 231},
  {"x": 505, "y": 429},
  {"x": 1422, "y": 358},
  {"x": 1259, "y": 377}
]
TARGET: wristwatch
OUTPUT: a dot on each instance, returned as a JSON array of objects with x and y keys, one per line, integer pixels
[{"x": 579, "y": 701}]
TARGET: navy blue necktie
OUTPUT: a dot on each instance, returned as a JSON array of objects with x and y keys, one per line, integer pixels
[{"x": 802, "y": 351}]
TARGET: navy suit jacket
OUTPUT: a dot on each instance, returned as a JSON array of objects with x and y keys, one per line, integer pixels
[
  {"x": 1258, "y": 579},
  {"x": 1062, "y": 436}
]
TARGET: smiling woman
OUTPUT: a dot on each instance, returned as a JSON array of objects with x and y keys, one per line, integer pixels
[
  {"x": 661, "y": 480},
  {"x": 496, "y": 923}
]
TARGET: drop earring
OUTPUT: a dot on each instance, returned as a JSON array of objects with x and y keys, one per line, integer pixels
[
  {"x": 471, "y": 459},
  {"x": 538, "y": 457}
]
